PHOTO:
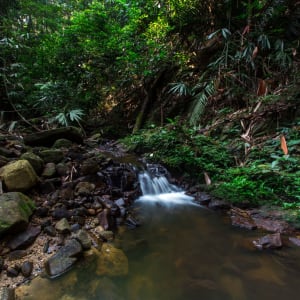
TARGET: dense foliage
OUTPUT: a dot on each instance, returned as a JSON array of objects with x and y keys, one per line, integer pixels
[{"x": 229, "y": 69}]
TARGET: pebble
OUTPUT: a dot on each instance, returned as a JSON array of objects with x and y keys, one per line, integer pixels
[{"x": 26, "y": 268}]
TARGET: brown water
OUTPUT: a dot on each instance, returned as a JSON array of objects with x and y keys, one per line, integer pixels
[{"x": 183, "y": 252}]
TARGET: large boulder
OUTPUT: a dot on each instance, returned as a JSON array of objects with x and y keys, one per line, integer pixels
[
  {"x": 112, "y": 261},
  {"x": 18, "y": 176},
  {"x": 15, "y": 210}
]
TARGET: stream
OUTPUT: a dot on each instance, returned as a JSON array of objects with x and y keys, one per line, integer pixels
[{"x": 181, "y": 251}]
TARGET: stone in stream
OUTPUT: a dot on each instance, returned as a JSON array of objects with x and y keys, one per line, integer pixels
[
  {"x": 18, "y": 176},
  {"x": 15, "y": 210},
  {"x": 12, "y": 272},
  {"x": 64, "y": 258},
  {"x": 269, "y": 241},
  {"x": 111, "y": 261},
  {"x": 17, "y": 254},
  {"x": 62, "y": 143},
  {"x": 7, "y": 293},
  {"x": 83, "y": 238}
]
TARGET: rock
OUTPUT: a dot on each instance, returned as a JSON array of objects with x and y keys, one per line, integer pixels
[
  {"x": 63, "y": 226},
  {"x": 64, "y": 259},
  {"x": 84, "y": 188},
  {"x": 295, "y": 240},
  {"x": 50, "y": 230},
  {"x": 271, "y": 225},
  {"x": 111, "y": 261},
  {"x": 6, "y": 152},
  {"x": 24, "y": 239},
  {"x": 42, "y": 211},
  {"x": 61, "y": 212},
  {"x": 7, "y": 293},
  {"x": 62, "y": 143},
  {"x": 106, "y": 235},
  {"x": 26, "y": 268},
  {"x": 89, "y": 166},
  {"x": 48, "y": 137},
  {"x": 3, "y": 160},
  {"x": 12, "y": 272},
  {"x": 217, "y": 204},
  {"x": 36, "y": 162},
  {"x": 242, "y": 218},
  {"x": 1, "y": 265},
  {"x": 17, "y": 254},
  {"x": 270, "y": 241},
  {"x": 83, "y": 238},
  {"x": 103, "y": 218},
  {"x": 15, "y": 210},
  {"x": 62, "y": 169},
  {"x": 18, "y": 176},
  {"x": 49, "y": 170},
  {"x": 52, "y": 155}
]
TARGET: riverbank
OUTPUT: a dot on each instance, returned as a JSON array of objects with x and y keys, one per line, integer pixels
[{"x": 82, "y": 194}]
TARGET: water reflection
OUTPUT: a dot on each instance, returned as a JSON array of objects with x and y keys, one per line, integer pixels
[{"x": 181, "y": 252}]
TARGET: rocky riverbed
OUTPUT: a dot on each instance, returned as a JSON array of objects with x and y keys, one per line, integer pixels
[{"x": 64, "y": 197}]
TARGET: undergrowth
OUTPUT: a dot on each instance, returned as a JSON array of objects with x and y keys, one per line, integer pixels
[{"x": 267, "y": 177}]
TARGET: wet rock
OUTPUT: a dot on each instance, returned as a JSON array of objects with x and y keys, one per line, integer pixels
[
  {"x": 103, "y": 218},
  {"x": 270, "y": 241},
  {"x": 36, "y": 162},
  {"x": 18, "y": 176},
  {"x": 24, "y": 239},
  {"x": 63, "y": 226},
  {"x": 26, "y": 268},
  {"x": 17, "y": 254},
  {"x": 83, "y": 238},
  {"x": 15, "y": 210},
  {"x": 6, "y": 152},
  {"x": 7, "y": 293},
  {"x": 242, "y": 218},
  {"x": 62, "y": 143},
  {"x": 64, "y": 259},
  {"x": 84, "y": 188},
  {"x": 217, "y": 204},
  {"x": 66, "y": 193},
  {"x": 48, "y": 137},
  {"x": 112, "y": 261},
  {"x": 203, "y": 198},
  {"x": 49, "y": 170},
  {"x": 106, "y": 235},
  {"x": 52, "y": 155},
  {"x": 75, "y": 227}
]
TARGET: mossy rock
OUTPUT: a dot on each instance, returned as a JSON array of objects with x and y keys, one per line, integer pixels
[
  {"x": 36, "y": 162},
  {"x": 52, "y": 155},
  {"x": 15, "y": 211},
  {"x": 18, "y": 176},
  {"x": 62, "y": 143}
]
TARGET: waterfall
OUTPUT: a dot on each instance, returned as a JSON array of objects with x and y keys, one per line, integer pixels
[{"x": 157, "y": 189}]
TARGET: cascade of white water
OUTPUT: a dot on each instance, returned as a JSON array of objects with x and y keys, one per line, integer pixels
[{"x": 158, "y": 189}]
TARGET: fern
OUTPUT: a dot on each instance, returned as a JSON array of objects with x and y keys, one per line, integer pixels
[
  {"x": 201, "y": 99},
  {"x": 179, "y": 88}
]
